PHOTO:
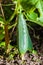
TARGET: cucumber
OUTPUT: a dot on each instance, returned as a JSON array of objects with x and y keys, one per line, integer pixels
[{"x": 24, "y": 40}]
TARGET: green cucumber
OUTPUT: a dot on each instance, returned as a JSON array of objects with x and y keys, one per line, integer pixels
[{"x": 24, "y": 40}]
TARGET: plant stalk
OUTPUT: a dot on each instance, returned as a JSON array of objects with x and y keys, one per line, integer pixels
[
  {"x": 6, "y": 29},
  {"x": 6, "y": 35}
]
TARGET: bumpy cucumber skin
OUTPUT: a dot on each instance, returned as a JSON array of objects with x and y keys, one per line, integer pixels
[{"x": 24, "y": 40}]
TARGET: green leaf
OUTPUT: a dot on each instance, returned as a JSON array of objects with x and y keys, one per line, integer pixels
[
  {"x": 24, "y": 40},
  {"x": 2, "y": 44},
  {"x": 34, "y": 52},
  {"x": 28, "y": 4},
  {"x": 1, "y": 29},
  {"x": 33, "y": 2},
  {"x": 39, "y": 7},
  {"x": 1, "y": 36},
  {"x": 41, "y": 19},
  {"x": 33, "y": 16},
  {"x": 1, "y": 20}
]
